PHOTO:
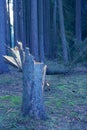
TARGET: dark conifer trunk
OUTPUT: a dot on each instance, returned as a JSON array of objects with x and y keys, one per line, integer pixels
[
  {"x": 27, "y": 17},
  {"x": 21, "y": 24},
  {"x": 46, "y": 4},
  {"x": 41, "y": 33},
  {"x": 16, "y": 22},
  {"x": 54, "y": 44},
  {"x": 78, "y": 22},
  {"x": 34, "y": 29},
  {"x": 8, "y": 26},
  {"x": 3, "y": 66},
  {"x": 62, "y": 29}
]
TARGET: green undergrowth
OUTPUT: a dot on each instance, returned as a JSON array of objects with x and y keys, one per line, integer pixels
[
  {"x": 65, "y": 102},
  {"x": 5, "y": 81},
  {"x": 12, "y": 99}
]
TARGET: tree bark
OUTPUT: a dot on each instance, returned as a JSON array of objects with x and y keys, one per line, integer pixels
[
  {"x": 46, "y": 6},
  {"x": 78, "y": 22},
  {"x": 8, "y": 26},
  {"x": 54, "y": 44},
  {"x": 3, "y": 66},
  {"x": 62, "y": 29},
  {"x": 27, "y": 17},
  {"x": 16, "y": 27},
  {"x": 22, "y": 24},
  {"x": 32, "y": 103},
  {"x": 41, "y": 33},
  {"x": 19, "y": 25},
  {"x": 34, "y": 29}
]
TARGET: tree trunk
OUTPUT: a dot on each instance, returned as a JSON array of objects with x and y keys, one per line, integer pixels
[
  {"x": 33, "y": 81},
  {"x": 41, "y": 35},
  {"x": 62, "y": 29},
  {"x": 78, "y": 22},
  {"x": 54, "y": 44},
  {"x": 34, "y": 29},
  {"x": 3, "y": 66},
  {"x": 27, "y": 17},
  {"x": 16, "y": 27},
  {"x": 46, "y": 5},
  {"x": 22, "y": 27},
  {"x": 8, "y": 26}
]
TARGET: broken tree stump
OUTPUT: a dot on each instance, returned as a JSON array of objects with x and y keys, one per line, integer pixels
[{"x": 33, "y": 83}]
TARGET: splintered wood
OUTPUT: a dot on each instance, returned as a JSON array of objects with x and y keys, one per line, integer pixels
[{"x": 33, "y": 81}]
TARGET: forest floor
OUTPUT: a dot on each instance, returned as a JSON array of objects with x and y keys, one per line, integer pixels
[{"x": 66, "y": 103}]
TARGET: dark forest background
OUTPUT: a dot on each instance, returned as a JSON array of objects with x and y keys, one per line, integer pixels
[{"x": 54, "y": 30}]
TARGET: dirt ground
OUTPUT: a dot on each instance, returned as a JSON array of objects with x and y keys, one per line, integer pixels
[{"x": 66, "y": 103}]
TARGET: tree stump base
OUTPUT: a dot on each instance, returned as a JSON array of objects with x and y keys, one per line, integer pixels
[{"x": 33, "y": 84}]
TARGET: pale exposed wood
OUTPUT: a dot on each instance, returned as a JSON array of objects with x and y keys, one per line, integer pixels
[
  {"x": 44, "y": 76},
  {"x": 21, "y": 52},
  {"x": 15, "y": 59},
  {"x": 11, "y": 61},
  {"x": 16, "y": 56}
]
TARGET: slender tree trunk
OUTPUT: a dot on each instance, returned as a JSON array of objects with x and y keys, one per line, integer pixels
[
  {"x": 40, "y": 25},
  {"x": 16, "y": 22},
  {"x": 25, "y": 27},
  {"x": 19, "y": 25},
  {"x": 22, "y": 27},
  {"x": 27, "y": 22},
  {"x": 78, "y": 22},
  {"x": 8, "y": 26},
  {"x": 54, "y": 44},
  {"x": 62, "y": 29},
  {"x": 46, "y": 4},
  {"x": 34, "y": 29},
  {"x": 26, "y": 15},
  {"x": 3, "y": 66}
]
